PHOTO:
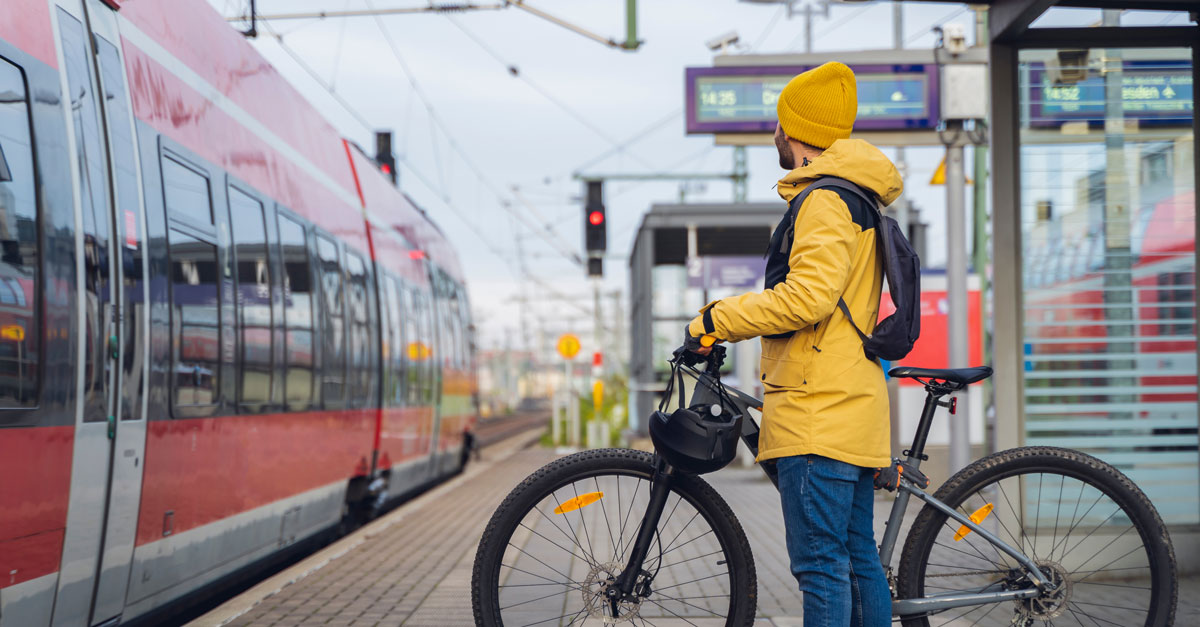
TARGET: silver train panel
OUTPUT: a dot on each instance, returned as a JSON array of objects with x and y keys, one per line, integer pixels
[
  {"x": 171, "y": 567},
  {"x": 28, "y": 603}
]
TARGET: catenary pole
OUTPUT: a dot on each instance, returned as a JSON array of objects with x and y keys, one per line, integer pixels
[{"x": 956, "y": 290}]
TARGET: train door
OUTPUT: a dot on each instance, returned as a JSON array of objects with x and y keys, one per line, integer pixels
[
  {"x": 437, "y": 342},
  {"x": 110, "y": 430}
]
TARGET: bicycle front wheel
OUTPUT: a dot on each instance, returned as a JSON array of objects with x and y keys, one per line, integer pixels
[
  {"x": 560, "y": 539},
  {"x": 1085, "y": 525}
]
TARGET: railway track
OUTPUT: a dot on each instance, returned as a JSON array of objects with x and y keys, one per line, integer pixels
[{"x": 492, "y": 430}]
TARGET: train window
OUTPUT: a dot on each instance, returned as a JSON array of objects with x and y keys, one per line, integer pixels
[
  {"x": 188, "y": 194},
  {"x": 333, "y": 366},
  {"x": 297, "y": 315},
  {"x": 253, "y": 301},
  {"x": 361, "y": 353},
  {"x": 393, "y": 332},
  {"x": 19, "y": 285},
  {"x": 430, "y": 348},
  {"x": 195, "y": 323}
]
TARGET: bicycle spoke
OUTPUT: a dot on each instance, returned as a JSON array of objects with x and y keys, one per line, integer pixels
[
  {"x": 571, "y": 527},
  {"x": 583, "y": 521},
  {"x": 673, "y": 613},
  {"x": 574, "y": 539},
  {"x": 578, "y": 586},
  {"x": 565, "y": 549},
  {"x": 1094, "y": 618},
  {"x": 659, "y": 590},
  {"x": 607, "y": 525}
]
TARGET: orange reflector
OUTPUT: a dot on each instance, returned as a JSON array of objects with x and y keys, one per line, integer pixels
[
  {"x": 583, "y": 500},
  {"x": 977, "y": 517}
]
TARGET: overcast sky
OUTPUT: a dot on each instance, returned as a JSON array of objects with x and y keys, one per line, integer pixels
[{"x": 571, "y": 102}]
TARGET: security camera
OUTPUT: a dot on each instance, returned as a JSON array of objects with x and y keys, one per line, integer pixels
[
  {"x": 954, "y": 38},
  {"x": 721, "y": 42}
]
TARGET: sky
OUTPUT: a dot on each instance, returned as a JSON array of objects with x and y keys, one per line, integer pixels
[{"x": 493, "y": 111}]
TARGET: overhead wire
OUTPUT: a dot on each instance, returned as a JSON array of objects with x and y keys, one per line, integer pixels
[
  {"x": 421, "y": 176},
  {"x": 546, "y": 235},
  {"x": 517, "y": 73},
  {"x": 833, "y": 26},
  {"x": 925, "y": 31}
]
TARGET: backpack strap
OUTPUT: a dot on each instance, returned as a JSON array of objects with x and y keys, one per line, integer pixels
[{"x": 874, "y": 203}]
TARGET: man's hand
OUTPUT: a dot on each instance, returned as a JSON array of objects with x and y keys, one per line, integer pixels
[{"x": 700, "y": 345}]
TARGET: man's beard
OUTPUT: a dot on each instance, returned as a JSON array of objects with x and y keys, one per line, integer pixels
[{"x": 787, "y": 160}]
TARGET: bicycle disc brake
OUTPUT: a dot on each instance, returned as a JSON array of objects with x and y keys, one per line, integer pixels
[{"x": 596, "y": 601}]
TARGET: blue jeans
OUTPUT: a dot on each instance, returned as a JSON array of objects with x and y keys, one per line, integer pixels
[{"x": 827, "y": 512}]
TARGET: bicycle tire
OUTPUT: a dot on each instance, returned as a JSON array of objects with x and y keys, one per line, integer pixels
[
  {"x": 485, "y": 588},
  {"x": 1088, "y": 471}
]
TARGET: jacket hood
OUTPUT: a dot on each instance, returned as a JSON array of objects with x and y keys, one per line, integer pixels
[{"x": 854, "y": 160}]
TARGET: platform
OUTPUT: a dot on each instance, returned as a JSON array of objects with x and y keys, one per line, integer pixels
[{"x": 413, "y": 566}]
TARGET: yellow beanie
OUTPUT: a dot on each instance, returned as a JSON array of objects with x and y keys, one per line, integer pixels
[{"x": 818, "y": 107}]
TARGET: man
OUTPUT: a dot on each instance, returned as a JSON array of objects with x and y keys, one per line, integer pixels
[{"x": 825, "y": 419}]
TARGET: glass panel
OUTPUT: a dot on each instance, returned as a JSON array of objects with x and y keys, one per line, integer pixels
[
  {"x": 1108, "y": 228},
  {"x": 127, "y": 238},
  {"x": 253, "y": 300},
  {"x": 195, "y": 320},
  {"x": 333, "y": 355},
  {"x": 187, "y": 192},
  {"x": 20, "y": 329},
  {"x": 361, "y": 364},
  {"x": 92, "y": 173},
  {"x": 297, "y": 314}
]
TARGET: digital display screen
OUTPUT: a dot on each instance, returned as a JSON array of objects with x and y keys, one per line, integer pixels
[
  {"x": 743, "y": 99},
  {"x": 1155, "y": 92}
]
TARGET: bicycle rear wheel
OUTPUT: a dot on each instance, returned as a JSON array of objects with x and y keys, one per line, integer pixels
[
  {"x": 1087, "y": 527},
  {"x": 560, "y": 538}
]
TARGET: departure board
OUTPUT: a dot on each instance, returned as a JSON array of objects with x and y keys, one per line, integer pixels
[
  {"x": 1152, "y": 92},
  {"x": 743, "y": 99}
]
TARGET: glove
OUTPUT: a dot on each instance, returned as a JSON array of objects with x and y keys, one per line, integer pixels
[{"x": 690, "y": 343}]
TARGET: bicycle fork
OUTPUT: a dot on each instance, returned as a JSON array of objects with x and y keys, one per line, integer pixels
[{"x": 660, "y": 489}]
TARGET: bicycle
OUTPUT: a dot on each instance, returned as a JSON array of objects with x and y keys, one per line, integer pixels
[{"x": 1015, "y": 538}]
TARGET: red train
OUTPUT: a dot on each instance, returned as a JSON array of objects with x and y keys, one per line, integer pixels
[{"x": 222, "y": 329}]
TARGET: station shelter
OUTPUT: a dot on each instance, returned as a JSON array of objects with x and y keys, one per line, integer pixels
[{"x": 1094, "y": 239}]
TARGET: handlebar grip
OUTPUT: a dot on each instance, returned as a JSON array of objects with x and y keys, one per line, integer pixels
[{"x": 707, "y": 340}]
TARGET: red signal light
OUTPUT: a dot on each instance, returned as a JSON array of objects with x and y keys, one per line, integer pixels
[
  {"x": 387, "y": 169},
  {"x": 596, "y": 218}
]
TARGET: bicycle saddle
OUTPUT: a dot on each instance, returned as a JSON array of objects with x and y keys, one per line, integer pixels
[{"x": 961, "y": 376}]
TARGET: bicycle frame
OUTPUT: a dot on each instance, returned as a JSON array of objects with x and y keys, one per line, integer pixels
[{"x": 706, "y": 392}]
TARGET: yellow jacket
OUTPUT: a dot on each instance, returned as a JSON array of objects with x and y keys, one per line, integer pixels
[{"x": 822, "y": 395}]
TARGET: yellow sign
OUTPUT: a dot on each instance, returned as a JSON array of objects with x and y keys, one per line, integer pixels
[
  {"x": 14, "y": 332},
  {"x": 568, "y": 345},
  {"x": 418, "y": 351},
  {"x": 597, "y": 395},
  {"x": 939, "y": 175}
]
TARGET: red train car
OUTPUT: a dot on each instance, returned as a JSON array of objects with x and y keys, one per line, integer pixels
[{"x": 222, "y": 329}]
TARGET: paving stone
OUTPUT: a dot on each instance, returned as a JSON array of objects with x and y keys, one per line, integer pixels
[{"x": 417, "y": 571}]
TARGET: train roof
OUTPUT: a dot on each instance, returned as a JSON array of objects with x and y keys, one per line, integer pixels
[{"x": 192, "y": 75}]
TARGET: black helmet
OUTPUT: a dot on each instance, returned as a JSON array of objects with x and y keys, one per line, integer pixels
[{"x": 698, "y": 439}]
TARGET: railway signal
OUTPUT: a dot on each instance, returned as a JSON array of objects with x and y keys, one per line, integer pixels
[{"x": 595, "y": 228}]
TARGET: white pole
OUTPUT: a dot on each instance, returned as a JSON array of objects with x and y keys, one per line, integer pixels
[{"x": 956, "y": 298}]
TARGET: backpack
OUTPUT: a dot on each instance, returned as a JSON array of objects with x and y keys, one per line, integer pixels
[{"x": 894, "y": 336}]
